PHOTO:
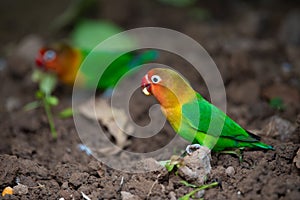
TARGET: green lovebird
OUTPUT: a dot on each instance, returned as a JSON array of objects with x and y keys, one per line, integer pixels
[
  {"x": 65, "y": 60},
  {"x": 193, "y": 117},
  {"x": 81, "y": 60}
]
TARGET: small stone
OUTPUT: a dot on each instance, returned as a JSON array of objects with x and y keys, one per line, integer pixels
[
  {"x": 196, "y": 166},
  {"x": 20, "y": 189},
  {"x": 296, "y": 159},
  {"x": 65, "y": 194},
  {"x": 65, "y": 185},
  {"x": 172, "y": 195},
  {"x": 230, "y": 171},
  {"x": 278, "y": 127},
  {"x": 128, "y": 196},
  {"x": 199, "y": 194}
]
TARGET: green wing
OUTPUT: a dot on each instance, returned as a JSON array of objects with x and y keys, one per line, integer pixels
[
  {"x": 200, "y": 114},
  {"x": 95, "y": 64}
]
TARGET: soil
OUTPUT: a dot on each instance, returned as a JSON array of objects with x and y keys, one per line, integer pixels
[{"x": 257, "y": 49}]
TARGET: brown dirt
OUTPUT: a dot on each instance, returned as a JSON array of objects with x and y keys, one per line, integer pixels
[{"x": 248, "y": 44}]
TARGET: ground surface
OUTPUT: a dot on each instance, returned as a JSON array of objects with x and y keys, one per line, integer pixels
[{"x": 256, "y": 48}]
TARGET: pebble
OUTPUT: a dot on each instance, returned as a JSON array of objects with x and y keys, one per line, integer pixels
[
  {"x": 230, "y": 171},
  {"x": 128, "y": 196},
  {"x": 172, "y": 195},
  {"x": 20, "y": 189},
  {"x": 278, "y": 127},
  {"x": 196, "y": 166},
  {"x": 65, "y": 185},
  {"x": 296, "y": 159}
]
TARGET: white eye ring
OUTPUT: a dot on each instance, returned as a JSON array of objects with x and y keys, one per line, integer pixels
[
  {"x": 49, "y": 55},
  {"x": 155, "y": 79}
]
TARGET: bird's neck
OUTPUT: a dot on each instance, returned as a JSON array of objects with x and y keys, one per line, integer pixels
[
  {"x": 171, "y": 104},
  {"x": 173, "y": 115},
  {"x": 171, "y": 98},
  {"x": 72, "y": 64}
]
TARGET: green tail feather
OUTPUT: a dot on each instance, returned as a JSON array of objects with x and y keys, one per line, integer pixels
[
  {"x": 258, "y": 143},
  {"x": 263, "y": 146}
]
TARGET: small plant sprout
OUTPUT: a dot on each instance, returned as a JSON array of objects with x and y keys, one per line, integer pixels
[
  {"x": 277, "y": 103},
  {"x": 198, "y": 188},
  {"x": 172, "y": 164},
  {"x": 47, "y": 83}
]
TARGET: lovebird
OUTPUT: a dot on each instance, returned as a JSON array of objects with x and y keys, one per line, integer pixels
[
  {"x": 190, "y": 114},
  {"x": 65, "y": 60}
]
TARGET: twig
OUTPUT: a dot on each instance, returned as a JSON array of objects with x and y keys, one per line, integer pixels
[
  {"x": 39, "y": 186},
  {"x": 155, "y": 182}
]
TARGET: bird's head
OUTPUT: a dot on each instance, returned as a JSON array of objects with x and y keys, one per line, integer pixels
[
  {"x": 168, "y": 87},
  {"x": 55, "y": 58}
]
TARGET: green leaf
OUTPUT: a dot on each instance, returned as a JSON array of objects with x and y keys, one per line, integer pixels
[
  {"x": 202, "y": 187},
  {"x": 47, "y": 84},
  {"x": 167, "y": 164},
  {"x": 32, "y": 105},
  {"x": 39, "y": 94},
  {"x": 52, "y": 100},
  {"x": 188, "y": 184},
  {"x": 66, "y": 113},
  {"x": 277, "y": 103},
  {"x": 164, "y": 162},
  {"x": 200, "y": 13},
  {"x": 37, "y": 75},
  {"x": 75, "y": 9},
  {"x": 87, "y": 34}
]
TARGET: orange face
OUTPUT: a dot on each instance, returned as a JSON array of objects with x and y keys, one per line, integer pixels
[
  {"x": 61, "y": 59},
  {"x": 168, "y": 87}
]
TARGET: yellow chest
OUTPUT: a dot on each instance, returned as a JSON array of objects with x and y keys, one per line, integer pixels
[{"x": 173, "y": 115}]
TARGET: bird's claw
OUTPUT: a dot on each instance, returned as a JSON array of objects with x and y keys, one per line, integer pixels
[{"x": 191, "y": 148}]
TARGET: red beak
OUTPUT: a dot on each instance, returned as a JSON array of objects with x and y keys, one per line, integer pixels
[
  {"x": 146, "y": 85},
  {"x": 39, "y": 61}
]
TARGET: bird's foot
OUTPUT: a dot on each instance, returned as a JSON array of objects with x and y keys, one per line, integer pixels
[
  {"x": 191, "y": 148},
  {"x": 237, "y": 152}
]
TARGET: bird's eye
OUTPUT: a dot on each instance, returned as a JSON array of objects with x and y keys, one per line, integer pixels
[
  {"x": 49, "y": 55},
  {"x": 155, "y": 79}
]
